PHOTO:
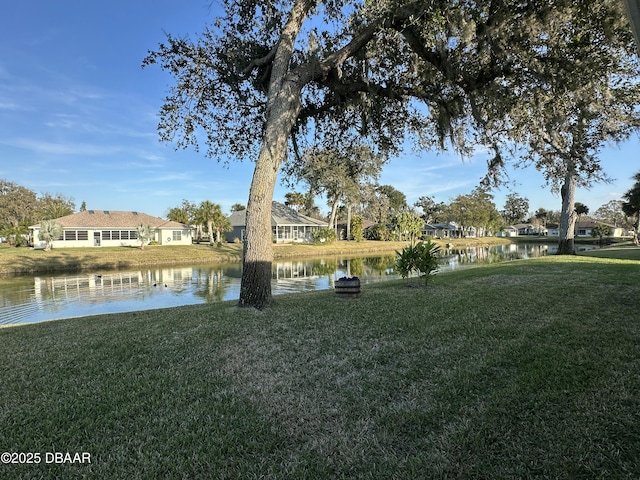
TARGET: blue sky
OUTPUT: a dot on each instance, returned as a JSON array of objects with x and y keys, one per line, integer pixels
[{"x": 78, "y": 117}]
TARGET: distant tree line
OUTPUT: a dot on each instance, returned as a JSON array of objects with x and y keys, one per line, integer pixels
[
  {"x": 387, "y": 214},
  {"x": 21, "y": 207}
]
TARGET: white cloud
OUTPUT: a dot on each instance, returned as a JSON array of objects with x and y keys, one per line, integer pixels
[{"x": 53, "y": 148}]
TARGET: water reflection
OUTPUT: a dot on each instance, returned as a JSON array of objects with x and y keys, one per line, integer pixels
[{"x": 48, "y": 297}]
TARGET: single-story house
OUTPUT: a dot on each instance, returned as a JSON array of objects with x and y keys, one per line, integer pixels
[
  {"x": 106, "y": 228},
  {"x": 584, "y": 227},
  {"x": 530, "y": 229},
  {"x": 509, "y": 231},
  {"x": 447, "y": 230},
  {"x": 287, "y": 225}
]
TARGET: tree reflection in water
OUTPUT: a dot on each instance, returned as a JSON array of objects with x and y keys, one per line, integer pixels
[{"x": 47, "y": 297}]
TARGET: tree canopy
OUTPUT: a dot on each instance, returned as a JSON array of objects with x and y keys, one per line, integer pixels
[
  {"x": 516, "y": 209},
  {"x": 340, "y": 174},
  {"x": 267, "y": 77}
]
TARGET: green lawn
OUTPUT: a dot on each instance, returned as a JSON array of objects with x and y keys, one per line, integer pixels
[
  {"x": 526, "y": 369},
  {"x": 626, "y": 251}
]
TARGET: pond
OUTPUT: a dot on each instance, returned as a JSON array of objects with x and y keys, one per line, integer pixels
[{"x": 36, "y": 298}]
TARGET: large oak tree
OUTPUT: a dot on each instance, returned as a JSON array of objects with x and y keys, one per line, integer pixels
[
  {"x": 269, "y": 75},
  {"x": 587, "y": 97}
]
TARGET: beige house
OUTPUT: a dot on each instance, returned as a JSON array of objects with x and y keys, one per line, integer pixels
[
  {"x": 584, "y": 228},
  {"x": 106, "y": 228}
]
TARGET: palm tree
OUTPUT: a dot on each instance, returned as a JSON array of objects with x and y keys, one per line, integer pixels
[
  {"x": 50, "y": 230},
  {"x": 144, "y": 234},
  {"x": 221, "y": 223},
  {"x": 204, "y": 216},
  {"x": 211, "y": 214}
]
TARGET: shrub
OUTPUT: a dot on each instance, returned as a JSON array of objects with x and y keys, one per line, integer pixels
[
  {"x": 377, "y": 232},
  {"x": 421, "y": 258},
  {"x": 357, "y": 228},
  {"x": 324, "y": 235}
]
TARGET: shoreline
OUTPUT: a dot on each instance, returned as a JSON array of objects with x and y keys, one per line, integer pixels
[{"x": 26, "y": 261}]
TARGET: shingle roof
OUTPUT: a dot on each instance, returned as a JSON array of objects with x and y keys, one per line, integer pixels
[
  {"x": 280, "y": 215},
  {"x": 115, "y": 219}
]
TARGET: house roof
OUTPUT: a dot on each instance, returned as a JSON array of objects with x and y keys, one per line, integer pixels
[
  {"x": 441, "y": 226},
  {"x": 588, "y": 222},
  {"x": 114, "y": 219},
  {"x": 280, "y": 215}
]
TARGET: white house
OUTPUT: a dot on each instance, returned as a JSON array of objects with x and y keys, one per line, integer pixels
[
  {"x": 585, "y": 226},
  {"x": 509, "y": 231},
  {"x": 106, "y": 228}
]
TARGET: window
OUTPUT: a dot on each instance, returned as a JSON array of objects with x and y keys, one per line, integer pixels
[
  {"x": 133, "y": 235},
  {"x": 83, "y": 235},
  {"x": 70, "y": 235},
  {"x": 115, "y": 235},
  {"x": 176, "y": 235},
  {"x": 106, "y": 235},
  {"x": 124, "y": 235}
]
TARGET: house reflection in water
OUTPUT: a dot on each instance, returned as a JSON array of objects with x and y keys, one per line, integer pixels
[{"x": 34, "y": 299}]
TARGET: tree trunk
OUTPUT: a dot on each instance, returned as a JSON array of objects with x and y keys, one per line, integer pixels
[
  {"x": 566, "y": 244},
  {"x": 348, "y": 221},
  {"x": 334, "y": 210},
  {"x": 255, "y": 287}
]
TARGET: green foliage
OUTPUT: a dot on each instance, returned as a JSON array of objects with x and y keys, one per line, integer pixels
[
  {"x": 55, "y": 206},
  {"x": 19, "y": 240},
  {"x": 516, "y": 209},
  {"x": 407, "y": 226},
  {"x": 210, "y": 214},
  {"x": 15, "y": 235},
  {"x": 476, "y": 209},
  {"x": 378, "y": 232},
  {"x": 601, "y": 231},
  {"x": 324, "y": 235},
  {"x": 356, "y": 267},
  {"x": 631, "y": 206},
  {"x": 338, "y": 173},
  {"x": 357, "y": 228},
  {"x": 18, "y": 205},
  {"x": 421, "y": 258},
  {"x": 295, "y": 200}
]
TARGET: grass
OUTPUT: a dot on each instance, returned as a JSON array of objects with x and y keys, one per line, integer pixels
[
  {"x": 26, "y": 260},
  {"x": 626, "y": 251},
  {"x": 526, "y": 369}
]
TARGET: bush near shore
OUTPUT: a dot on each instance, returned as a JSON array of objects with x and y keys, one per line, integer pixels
[{"x": 524, "y": 369}]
